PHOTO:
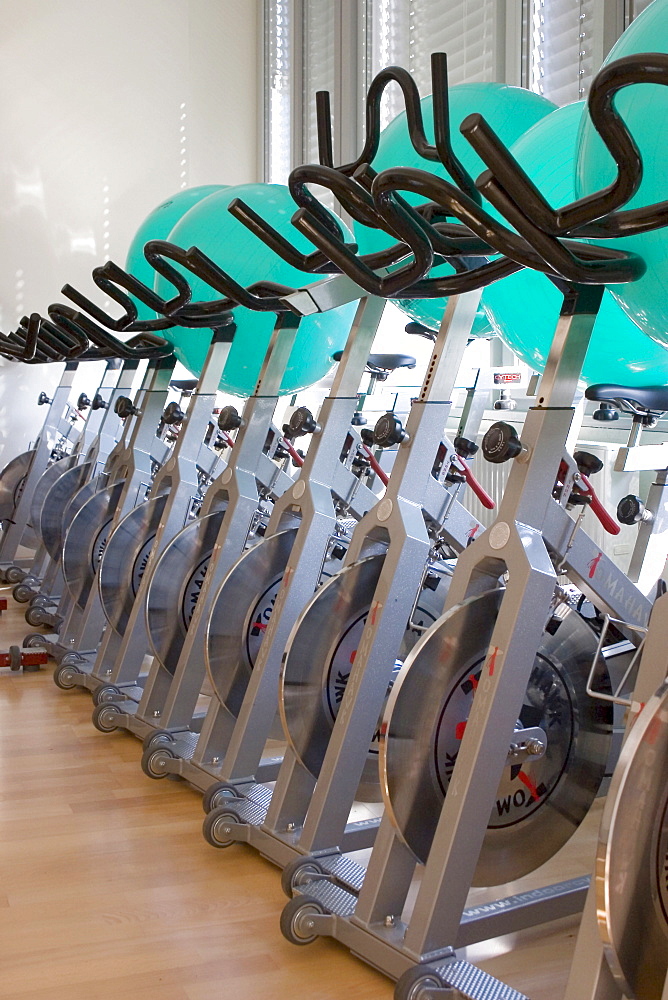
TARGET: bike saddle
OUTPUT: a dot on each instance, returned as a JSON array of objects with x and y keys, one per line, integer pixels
[
  {"x": 649, "y": 397},
  {"x": 384, "y": 362},
  {"x": 389, "y": 362},
  {"x": 184, "y": 384}
]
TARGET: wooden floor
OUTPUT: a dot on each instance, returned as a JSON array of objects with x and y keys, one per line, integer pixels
[{"x": 108, "y": 890}]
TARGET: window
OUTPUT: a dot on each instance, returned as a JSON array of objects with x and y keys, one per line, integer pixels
[
  {"x": 278, "y": 90},
  {"x": 560, "y": 49}
]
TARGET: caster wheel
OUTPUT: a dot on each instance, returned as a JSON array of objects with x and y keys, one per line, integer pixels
[
  {"x": 33, "y": 639},
  {"x": 14, "y": 574},
  {"x": 105, "y": 718},
  {"x": 159, "y": 738},
  {"x": 153, "y": 761},
  {"x": 217, "y": 795},
  {"x": 36, "y": 616},
  {"x": 70, "y": 659},
  {"x": 64, "y": 676},
  {"x": 300, "y": 873},
  {"x": 417, "y": 984},
  {"x": 21, "y": 593},
  {"x": 41, "y": 601},
  {"x": 216, "y": 827},
  {"x": 296, "y": 923},
  {"x": 105, "y": 694}
]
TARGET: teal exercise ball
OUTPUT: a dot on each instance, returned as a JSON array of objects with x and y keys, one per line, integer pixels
[
  {"x": 482, "y": 329},
  {"x": 644, "y": 109},
  {"x": 509, "y": 110},
  {"x": 210, "y": 227},
  {"x": 157, "y": 225},
  {"x": 524, "y": 307}
]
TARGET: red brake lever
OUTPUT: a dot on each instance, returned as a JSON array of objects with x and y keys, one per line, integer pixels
[
  {"x": 373, "y": 462},
  {"x": 293, "y": 453},
  {"x": 481, "y": 493},
  {"x": 606, "y": 519}
]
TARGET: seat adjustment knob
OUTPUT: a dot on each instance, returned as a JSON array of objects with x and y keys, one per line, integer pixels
[
  {"x": 501, "y": 443},
  {"x": 632, "y": 510},
  {"x": 228, "y": 418},
  {"x": 388, "y": 431}
]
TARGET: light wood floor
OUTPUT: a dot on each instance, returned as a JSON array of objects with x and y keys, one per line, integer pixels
[{"x": 108, "y": 890}]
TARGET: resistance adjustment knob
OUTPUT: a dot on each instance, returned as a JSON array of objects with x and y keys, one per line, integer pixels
[
  {"x": 43, "y": 398},
  {"x": 173, "y": 414},
  {"x": 229, "y": 419},
  {"x": 632, "y": 510},
  {"x": 501, "y": 443},
  {"x": 464, "y": 447},
  {"x": 123, "y": 408},
  {"x": 83, "y": 402},
  {"x": 99, "y": 403},
  {"x": 587, "y": 463},
  {"x": 388, "y": 431},
  {"x": 302, "y": 422}
]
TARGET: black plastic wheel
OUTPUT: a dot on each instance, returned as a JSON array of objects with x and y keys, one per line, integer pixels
[
  {"x": 22, "y": 593},
  {"x": 42, "y": 601},
  {"x": 158, "y": 738},
  {"x": 105, "y": 694},
  {"x": 72, "y": 659},
  {"x": 14, "y": 657},
  {"x": 153, "y": 762},
  {"x": 36, "y": 616},
  {"x": 14, "y": 574},
  {"x": 217, "y": 795},
  {"x": 33, "y": 639},
  {"x": 103, "y": 718},
  {"x": 299, "y": 873},
  {"x": 295, "y": 920},
  {"x": 64, "y": 676},
  {"x": 417, "y": 984},
  {"x": 214, "y": 825}
]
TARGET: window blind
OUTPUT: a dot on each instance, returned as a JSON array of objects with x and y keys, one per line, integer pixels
[
  {"x": 406, "y": 32},
  {"x": 319, "y": 68},
  {"x": 560, "y": 36},
  {"x": 278, "y": 90}
]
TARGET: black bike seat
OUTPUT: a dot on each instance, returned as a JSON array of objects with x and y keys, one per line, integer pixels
[
  {"x": 184, "y": 384},
  {"x": 389, "y": 362},
  {"x": 649, "y": 397}
]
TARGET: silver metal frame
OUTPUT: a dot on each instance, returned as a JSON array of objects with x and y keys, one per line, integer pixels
[
  {"x": 324, "y": 486},
  {"x": 522, "y": 543},
  {"x": 131, "y": 464},
  {"x": 52, "y": 494},
  {"x": 238, "y": 490},
  {"x": 52, "y": 431},
  {"x": 308, "y": 816},
  {"x": 67, "y": 493}
]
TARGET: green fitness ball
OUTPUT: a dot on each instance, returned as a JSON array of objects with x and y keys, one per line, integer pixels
[
  {"x": 644, "y": 109},
  {"x": 210, "y": 227},
  {"x": 509, "y": 110},
  {"x": 157, "y": 226},
  {"x": 524, "y": 308}
]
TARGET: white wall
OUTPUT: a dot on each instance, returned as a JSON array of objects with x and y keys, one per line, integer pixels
[{"x": 106, "y": 108}]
